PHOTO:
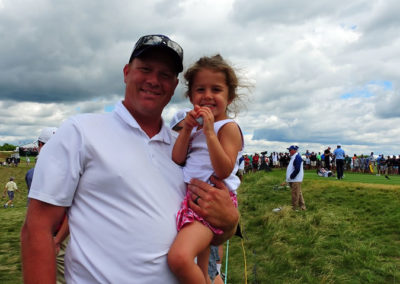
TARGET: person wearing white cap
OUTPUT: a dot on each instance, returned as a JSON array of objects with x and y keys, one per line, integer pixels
[
  {"x": 121, "y": 213},
  {"x": 339, "y": 157},
  {"x": 44, "y": 137},
  {"x": 176, "y": 123},
  {"x": 294, "y": 176}
]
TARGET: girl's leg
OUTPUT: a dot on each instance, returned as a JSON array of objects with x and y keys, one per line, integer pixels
[
  {"x": 190, "y": 242},
  {"x": 202, "y": 261}
]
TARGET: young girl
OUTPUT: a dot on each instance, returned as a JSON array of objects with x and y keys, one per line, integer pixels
[{"x": 209, "y": 144}]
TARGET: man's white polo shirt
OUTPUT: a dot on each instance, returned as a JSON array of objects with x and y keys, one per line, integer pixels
[{"x": 123, "y": 190}]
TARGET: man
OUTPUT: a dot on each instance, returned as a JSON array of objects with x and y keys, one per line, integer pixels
[
  {"x": 313, "y": 160},
  {"x": 44, "y": 137},
  {"x": 339, "y": 158},
  {"x": 396, "y": 165},
  {"x": 347, "y": 163},
  {"x": 10, "y": 188},
  {"x": 308, "y": 160},
  {"x": 177, "y": 120},
  {"x": 255, "y": 162},
  {"x": 382, "y": 164},
  {"x": 319, "y": 163},
  {"x": 294, "y": 176},
  {"x": 275, "y": 160},
  {"x": 372, "y": 160},
  {"x": 327, "y": 157},
  {"x": 121, "y": 213},
  {"x": 247, "y": 164},
  {"x": 214, "y": 264},
  {"x": 240, "y": 171}
]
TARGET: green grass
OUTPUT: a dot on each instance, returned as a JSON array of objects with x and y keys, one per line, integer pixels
[
  {"x": 350, "y": 232},
  {"x": 11, "y": 221},
  {"x": 358, "y": 177}
]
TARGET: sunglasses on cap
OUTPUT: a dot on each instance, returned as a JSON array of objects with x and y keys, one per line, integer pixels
[{"x": 158, "y": 41}]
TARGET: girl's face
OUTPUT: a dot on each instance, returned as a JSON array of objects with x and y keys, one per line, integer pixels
[{"x": 209, "y": 89}]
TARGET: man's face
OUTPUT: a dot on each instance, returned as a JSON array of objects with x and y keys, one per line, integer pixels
[
  {"x": 179, "y": 126},
  {"x": 40, "y": 146},
  {"x": 150, "y": 83},
  {"x": 292, "y": 152}
]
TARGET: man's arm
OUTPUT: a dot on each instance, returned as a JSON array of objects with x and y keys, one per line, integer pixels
[
  {"x": 37, "y": 245},
  {"x": 215, "y": 206}
]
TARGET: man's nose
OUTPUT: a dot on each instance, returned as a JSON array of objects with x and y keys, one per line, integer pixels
[{"x": 153, "y": 78}]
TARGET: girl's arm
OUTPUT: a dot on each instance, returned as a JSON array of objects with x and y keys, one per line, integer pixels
[
  {"x": 179, "y": 152},
  {"x": 223, "y": 148}
]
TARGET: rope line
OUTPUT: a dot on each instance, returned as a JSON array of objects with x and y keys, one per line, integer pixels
[
  {"x": 245, "y": 264},
  {"x": 226, "y": 262},
  {"x": 244, "y": 259}
]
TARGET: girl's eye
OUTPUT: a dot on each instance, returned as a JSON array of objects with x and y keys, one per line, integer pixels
[{"x": 199, "y": 90}]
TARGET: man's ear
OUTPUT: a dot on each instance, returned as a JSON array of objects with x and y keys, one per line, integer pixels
[{"x": 126, "y": 70}]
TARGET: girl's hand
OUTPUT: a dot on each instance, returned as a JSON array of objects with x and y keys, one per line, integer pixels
[
  {"x": 208, "y": 118},
  {"x": 190, "y": 120}
]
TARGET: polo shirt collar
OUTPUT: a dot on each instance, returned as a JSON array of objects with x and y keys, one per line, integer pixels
[{"x": 121, "y": 111}]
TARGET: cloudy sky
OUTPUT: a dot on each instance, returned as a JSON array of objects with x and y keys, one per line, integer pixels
[{"x": 323, "y": 72}]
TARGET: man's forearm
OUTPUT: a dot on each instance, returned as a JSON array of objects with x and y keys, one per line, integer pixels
[
  {"x": 37, "y": 245},
  {"x": 38, "y": 257}
]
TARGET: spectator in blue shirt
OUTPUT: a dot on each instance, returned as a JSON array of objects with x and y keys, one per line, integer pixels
[{"x": 339, "y": 157}]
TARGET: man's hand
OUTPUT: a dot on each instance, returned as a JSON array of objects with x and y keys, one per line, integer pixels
[{"x": 214, "y": 204}]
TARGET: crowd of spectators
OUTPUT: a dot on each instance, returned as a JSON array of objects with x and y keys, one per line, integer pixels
[
  {"x": 10, "y": 162},
  {"x": 369, "y": 164}
]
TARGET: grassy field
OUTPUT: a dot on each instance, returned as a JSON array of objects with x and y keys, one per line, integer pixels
[
  {"x": 350, "y": 232},
  {"x": 11, "y": 221}
]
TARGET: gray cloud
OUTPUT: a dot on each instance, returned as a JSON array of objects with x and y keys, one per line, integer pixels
[{"x": 319, "y": 68}]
